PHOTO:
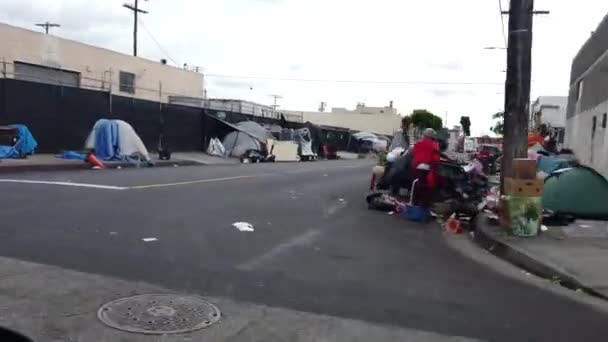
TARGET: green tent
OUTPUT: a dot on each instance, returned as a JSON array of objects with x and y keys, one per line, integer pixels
[{"x": 579, "y": 191}]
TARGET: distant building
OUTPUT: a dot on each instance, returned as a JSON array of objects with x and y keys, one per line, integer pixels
[
  {"x": 455, "y": 139},
  {"x": 379, "y": 120},
  {"x": 586, "y": 120},
  {"x": 37, "y": 57},
  {"x": 549, "y": 110}
]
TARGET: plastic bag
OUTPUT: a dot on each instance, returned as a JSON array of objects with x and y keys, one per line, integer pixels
[{"x": 216, "y": 148}]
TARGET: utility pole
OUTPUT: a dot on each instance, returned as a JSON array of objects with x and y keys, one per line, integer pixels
[
  {"x": 47, "y": 25},
  {"x": 275, "y": 105},
  {"x": 517, "y": 85},
  {"x": 136, "y": 11}
]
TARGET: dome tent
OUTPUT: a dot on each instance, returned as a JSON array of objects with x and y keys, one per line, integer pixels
[{"x": 579, "y": 191}]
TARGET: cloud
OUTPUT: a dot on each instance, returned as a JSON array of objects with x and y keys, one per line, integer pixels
[
  {"x": 295, "y": 67},
  {"x": 451, "y": 92},
  {"x": 451, "y": 65}
]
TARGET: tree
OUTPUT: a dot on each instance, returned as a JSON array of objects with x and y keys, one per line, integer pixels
[
  {"x": 499, "y": 127},
  {"x": 422, "y": 118},
  {"x": 465, "y": 122}
]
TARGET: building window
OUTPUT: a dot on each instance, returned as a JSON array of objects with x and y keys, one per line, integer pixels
[
  {"x": 579, "y": 89},
  {"x": 127, "y": 82},
  {"x": 604, "y": 120},
  {"x": 593, "y": 126}
]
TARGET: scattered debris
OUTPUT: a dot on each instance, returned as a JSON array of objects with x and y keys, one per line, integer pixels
[
  {"x": 341, "y": 199},
  {"x": 453, "y": 225},
  {"x": 391, "y": 212},
  {"x": 175, "y": 165},
  {"x": 584, "y": 225},
  {"x": 243, "y": 226},
  {"x": 544, "y": 228},
  {"x": 526, "y": 273},
  {"x": 119, "y": 167},
  {"x": 149, "y": 239}
]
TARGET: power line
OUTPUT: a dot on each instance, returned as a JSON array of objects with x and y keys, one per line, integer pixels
[
  {"x": 160, "y": 47},
  {"x": 352, "y": 81},
  {"x": 502, "y": 23}
]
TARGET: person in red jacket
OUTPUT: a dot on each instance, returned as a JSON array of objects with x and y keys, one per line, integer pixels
[{"x": 424, "y": 166}]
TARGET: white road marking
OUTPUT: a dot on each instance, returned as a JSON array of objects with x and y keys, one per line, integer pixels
[
  {"x": 80, "y": 185},
  {"x": 112, "y": 187},
  {"x": 279, "y": 250},
  {"x": 162, "y": 185},
  {"x": 149, "y": 239}
]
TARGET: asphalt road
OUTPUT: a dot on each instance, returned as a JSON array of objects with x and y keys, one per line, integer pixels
[{"x": 315, "y": 247}]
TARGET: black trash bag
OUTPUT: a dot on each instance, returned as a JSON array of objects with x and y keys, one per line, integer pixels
[
  {"x": 380, "y": 201},
  {"x": 398, "y": 174}
]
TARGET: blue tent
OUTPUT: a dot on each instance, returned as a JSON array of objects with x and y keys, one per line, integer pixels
[{"x": 25, "y": 145}]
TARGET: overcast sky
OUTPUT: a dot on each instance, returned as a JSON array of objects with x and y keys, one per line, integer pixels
[{"x": 365, "y": 40}]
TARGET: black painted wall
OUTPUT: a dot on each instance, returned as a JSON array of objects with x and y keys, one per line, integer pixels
[{"x": 61, "y": 118}]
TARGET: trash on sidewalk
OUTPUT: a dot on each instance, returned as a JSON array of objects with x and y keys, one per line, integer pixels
[
  {"x": 16, "y": 141},
  {"x": 95, "y": 162},
  {"x": 452, "y": 225},
  {"x": 243, "y": 226},
  {"x": 71, "y": 155},
  {"x": 216, "y": 148},
  {"x": 382, "y": 202}
]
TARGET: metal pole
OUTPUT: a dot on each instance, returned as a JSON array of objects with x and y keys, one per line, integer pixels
[
  {"x": 110, "y": 90},
  {"x": 517, "y": 86},
  {"x": 135, "y": 29}
]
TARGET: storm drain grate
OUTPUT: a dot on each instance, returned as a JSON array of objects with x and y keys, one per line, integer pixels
[{"x": 159, "y": 314}]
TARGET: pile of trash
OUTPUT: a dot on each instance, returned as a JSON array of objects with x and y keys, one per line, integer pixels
[{"x": 456, "y": 203}]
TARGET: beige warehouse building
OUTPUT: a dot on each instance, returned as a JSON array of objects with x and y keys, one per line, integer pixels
[
  {"x": 38, "y": 57},
  {"x": 379, "y": 120}
]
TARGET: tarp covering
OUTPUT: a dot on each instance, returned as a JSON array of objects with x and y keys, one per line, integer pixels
[
  {"x": 115, "y": 140},
  {"x": 26, "y": 144},
  {"x": 553, "y": 163},
  {"x": 579, "y": 191},
  {"x": 247, "y": 136}
]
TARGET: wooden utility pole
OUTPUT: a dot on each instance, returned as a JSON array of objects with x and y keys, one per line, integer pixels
[
  {"x": 136, "y": 11},
  {"x": 517, "y": 85},
  {"x": 47, "y": 25}
]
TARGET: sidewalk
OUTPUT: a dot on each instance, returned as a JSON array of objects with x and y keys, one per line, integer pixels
[
  {"x": 48, "y": 303},
  {"x": 48, "y": 162},
  {"x": 573, "y": 255}
]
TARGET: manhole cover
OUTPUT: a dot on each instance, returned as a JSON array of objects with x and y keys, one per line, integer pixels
[{"x": 159, "y": 314}]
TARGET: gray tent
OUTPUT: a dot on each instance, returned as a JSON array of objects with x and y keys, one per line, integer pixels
[{"x": 247, "y": 136}]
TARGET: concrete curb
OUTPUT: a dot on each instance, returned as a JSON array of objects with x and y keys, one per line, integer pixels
[
  {"x": 520, "y": 258},
  {"x": 85, "y": 166}
]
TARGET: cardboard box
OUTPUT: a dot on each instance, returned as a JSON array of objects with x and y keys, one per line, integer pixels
[
  {"x": 524, "y": 187},
  {"x": 524, "y": 168}
]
